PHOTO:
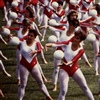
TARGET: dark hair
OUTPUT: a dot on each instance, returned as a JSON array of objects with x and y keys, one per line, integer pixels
[
  {"x": 27, "y": 0},
  {"x": 27, "y": 21},
  {"x": 81, "y": 34},
  {"x": 60, "y": 2},
  {"x": 30, "y": 11},
  {"x": 97, "y": 8},
  {"x": 33, "y": 31},
  {"x": 74, "y": 22},
  {"x": 71, "y": 13}
]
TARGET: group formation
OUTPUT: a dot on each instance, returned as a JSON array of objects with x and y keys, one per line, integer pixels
[{"x": 70, "y": 23}]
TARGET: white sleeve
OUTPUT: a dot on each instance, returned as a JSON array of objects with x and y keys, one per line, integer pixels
[
  {"x": 57, "y": 45},
  {"x": 55, "y": 29},
  {"x": 34, "y": 26}
]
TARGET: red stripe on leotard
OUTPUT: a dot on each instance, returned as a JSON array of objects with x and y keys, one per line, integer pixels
[{"x": 28, "y": 65}]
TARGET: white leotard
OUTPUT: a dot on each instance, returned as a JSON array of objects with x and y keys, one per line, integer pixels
[
  {"x": 64, "y": 37},
  {"x": 20, "y": 35},
  {"x": 25, "y": 50},
  {"x": 69, "y": 53}
]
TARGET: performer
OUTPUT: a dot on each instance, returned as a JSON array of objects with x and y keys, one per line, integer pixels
[
  {"x": 4, "y": 10},
  {"x": 69, "y": 66},
  {"x": 29, "y": 63}
]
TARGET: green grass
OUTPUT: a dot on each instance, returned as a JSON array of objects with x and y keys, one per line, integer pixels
[{"x": 10, "y": 88}]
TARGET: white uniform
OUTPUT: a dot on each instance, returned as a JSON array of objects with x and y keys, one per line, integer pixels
[
  {"x": 63, "y": 37},
  {"x": 73, "y": 71},
  {"x": 18, "y": 55},
  {"x": 30, "y": 64}
]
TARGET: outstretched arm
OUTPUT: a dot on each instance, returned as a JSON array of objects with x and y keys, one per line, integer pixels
[
  {"x": 2, "y": 40},
  {"x": 2, "y": 56}
]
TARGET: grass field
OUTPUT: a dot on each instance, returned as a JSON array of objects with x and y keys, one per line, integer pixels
[{"x": 10, "y": 87}]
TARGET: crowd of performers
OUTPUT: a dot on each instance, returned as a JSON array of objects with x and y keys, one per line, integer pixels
[{"x": 70, "y": 21}]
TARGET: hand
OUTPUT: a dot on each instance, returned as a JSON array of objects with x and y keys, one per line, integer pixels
[
  {"x": 68, "y": 63},
  {"x": 54, "y": 10},
  {"x": 32, "y": 53},
  {"x": 5, "y": 58},
  {"x": 42, "y": 47},
  {"x": 4, "y": 27},
  {"x": 77, "y": 6},
  {"x": 9, "y": 37},
  {"x": 63, "y": 62}
]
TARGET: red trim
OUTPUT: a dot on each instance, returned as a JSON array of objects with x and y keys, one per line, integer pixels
[
  {"x": 2, "y": 4},
  {"x": 70, "y": 69},
  {"x": 28, "y": 65},
  {"x": 60, "y": 27},
  {"x": 34, "y": 2},
  {"x": 48, "y": 13}
]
